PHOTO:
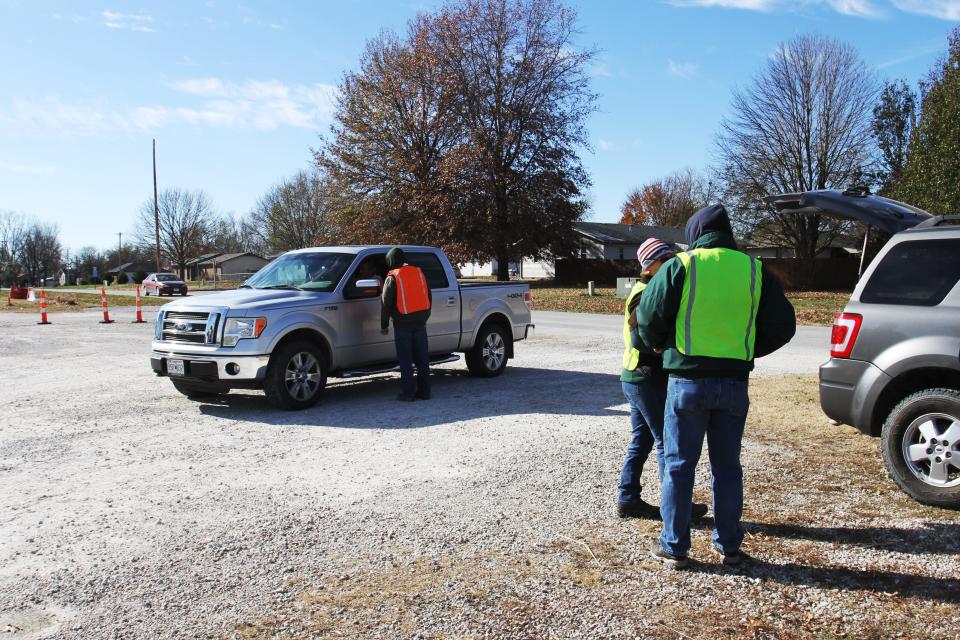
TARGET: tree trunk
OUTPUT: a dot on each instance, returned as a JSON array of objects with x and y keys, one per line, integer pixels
[{"x": 503, "y": 268}]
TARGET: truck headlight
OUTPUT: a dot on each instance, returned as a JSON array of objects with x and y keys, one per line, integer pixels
[
  {"x": 238, "y": 329},
  {"x": 158, "y": 326}
]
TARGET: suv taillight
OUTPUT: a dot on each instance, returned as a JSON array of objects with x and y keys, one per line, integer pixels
[{"x": 846, "y": 327}]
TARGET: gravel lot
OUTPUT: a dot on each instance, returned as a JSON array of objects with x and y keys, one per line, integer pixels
[{"x": 127, "y": 510}]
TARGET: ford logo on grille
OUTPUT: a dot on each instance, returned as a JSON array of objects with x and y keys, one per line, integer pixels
[{"x": 182, "y": 326}]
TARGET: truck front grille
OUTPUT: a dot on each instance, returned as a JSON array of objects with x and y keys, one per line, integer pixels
[{"x": 190, "y": 327}]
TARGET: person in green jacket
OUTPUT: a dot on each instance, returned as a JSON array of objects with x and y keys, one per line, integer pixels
[
  {"x": 644, "y": 386},
  {"x": 712, "y": 310}
]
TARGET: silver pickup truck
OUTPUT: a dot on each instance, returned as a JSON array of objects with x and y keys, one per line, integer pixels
[{"x": 315, "y": 313}]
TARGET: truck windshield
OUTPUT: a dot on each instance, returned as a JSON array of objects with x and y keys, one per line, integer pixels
[{"x": 314, "y": 271}]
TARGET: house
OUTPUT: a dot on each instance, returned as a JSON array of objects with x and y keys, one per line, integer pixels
[
  {"x": 129, "y": 268},
  {"x": 230, "y": 266},
  {"x": 595, "y": 241},
  {"x": 843, "y": 246},
  {"x": 192, "y": 265}
]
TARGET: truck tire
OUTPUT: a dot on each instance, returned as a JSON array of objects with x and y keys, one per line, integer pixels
[
  {"x": 296, "y": 376},
  {"x": 198, "y": 389},
  {"x": 921, "y": 446},
  {"x": 488, "y": 357}
]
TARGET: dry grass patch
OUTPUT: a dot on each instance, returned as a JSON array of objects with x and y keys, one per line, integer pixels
[
  {"x": 69, "y": 302},
  {"x": 812, "y": 307},
  {"x": 836, "y": 552}
]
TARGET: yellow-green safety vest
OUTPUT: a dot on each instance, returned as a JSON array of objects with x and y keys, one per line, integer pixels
[
  {"x": 631, "y": 356},
  {"x": 718, "y": 308}
]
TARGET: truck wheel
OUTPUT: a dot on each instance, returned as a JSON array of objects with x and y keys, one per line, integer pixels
[
  {"x": 488, "y": 358},
  {"x": 921, "y": 446},
  {"x": 198, "y": 389},
  {"x": 296, "y": 376}
]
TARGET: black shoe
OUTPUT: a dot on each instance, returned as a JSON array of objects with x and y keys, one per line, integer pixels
[
  {"x": 672, "y": 561},
  {"x": 404, "y": 398},
  {"x": 423, "y": 395},
  {"x": 731, "y": 559},
  {"x": 638, "y": 509},
  {"x": 698, "y": 511}
]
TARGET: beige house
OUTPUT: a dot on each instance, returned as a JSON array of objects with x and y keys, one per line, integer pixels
[{"x": 230, "y": 266}]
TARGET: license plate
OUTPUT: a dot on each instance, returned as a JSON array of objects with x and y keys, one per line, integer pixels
[{"x": 175, "y": 368}]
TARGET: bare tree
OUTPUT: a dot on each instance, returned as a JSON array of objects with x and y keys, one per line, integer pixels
[
  {"x": 186, "y": 218},
  {"x": 803, "y": 124},
  {"x": 14, "y": 228},
  {"x": 667, "y": 201},
  {"x": 291, "y": 215},
  {"x": 41, "y": 252}
]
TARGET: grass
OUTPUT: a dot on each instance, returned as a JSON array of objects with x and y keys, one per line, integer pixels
[
  {"x": 199, "y": 285},
  {"x": 70, "y": 302},
  {"x": 835, "y": 550},
  {"x": 812, "y": 307}
]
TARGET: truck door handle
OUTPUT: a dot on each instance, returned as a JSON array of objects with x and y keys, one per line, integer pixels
[{"x": 452, "y": 300}]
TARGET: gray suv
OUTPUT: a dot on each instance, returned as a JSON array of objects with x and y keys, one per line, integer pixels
[{"x": 894, "y": 368}]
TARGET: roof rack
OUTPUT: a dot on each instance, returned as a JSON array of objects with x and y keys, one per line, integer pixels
[{"x": 936, "y": 221}]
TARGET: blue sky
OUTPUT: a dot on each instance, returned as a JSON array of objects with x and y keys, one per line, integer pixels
[{"x": 237, "y": 93}]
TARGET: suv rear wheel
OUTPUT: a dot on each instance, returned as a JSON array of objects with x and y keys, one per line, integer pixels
[{"x": 921, "y": 446}]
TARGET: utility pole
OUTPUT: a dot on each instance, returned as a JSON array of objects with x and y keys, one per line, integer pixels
[
  {"x": 119, "y": 248},
  {"x": 156, "y": 208}
]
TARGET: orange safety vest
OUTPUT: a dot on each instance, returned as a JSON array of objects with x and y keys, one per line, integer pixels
[{"x": 412, "y": 292}]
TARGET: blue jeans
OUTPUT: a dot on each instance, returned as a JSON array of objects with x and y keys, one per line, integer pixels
[
  {"x": 646, "y": 421},
  {"x": 412, "y": 349},
  {"x": 715, "y": 408}
]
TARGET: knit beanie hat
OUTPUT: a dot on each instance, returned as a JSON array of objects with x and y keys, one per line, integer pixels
[{"x": 652, "y": 250}]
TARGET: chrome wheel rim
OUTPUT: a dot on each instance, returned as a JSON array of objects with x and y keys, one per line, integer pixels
[
  {"x": 931, "y": 449},
  {"x": 493, "y": 351},
  {"x": 302, "y": 376}
]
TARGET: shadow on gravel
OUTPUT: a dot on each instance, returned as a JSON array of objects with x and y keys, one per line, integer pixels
[
  {"x": 946, "y": 591},
  {"x": 929, "y": 538},
  {"x": 370, "y": 403}
]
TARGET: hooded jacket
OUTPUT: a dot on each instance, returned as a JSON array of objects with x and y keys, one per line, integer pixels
[
  {"x": 388, "y": 310},
  {"x": 660, "y": 305}
]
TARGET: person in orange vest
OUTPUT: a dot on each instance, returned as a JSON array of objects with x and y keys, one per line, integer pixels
[{"x": 407, "y": 301}]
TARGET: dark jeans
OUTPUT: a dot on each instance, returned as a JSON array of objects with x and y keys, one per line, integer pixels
[
  {"x": 412, "y": 350},
  {"x": 646, "y": 421},
  {"x": 715, "y": 408}
]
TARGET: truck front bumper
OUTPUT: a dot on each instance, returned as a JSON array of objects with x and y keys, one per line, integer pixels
[{"x": 231, "y": 369}]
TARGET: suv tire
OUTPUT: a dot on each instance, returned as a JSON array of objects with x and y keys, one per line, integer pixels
[
  {"x": 296, "y": 376},
  {"x": 488, "y": 357},
  {"x": 198, "y": 389},
  {"x": 931, "y": 414}
]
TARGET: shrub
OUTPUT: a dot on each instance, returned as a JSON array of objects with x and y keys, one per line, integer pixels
[
  {"x": 139, "y": 276},
  {"x": 122, "y": 278}
]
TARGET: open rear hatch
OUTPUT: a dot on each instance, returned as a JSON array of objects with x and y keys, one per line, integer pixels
[{"x": 883, "y": 213}]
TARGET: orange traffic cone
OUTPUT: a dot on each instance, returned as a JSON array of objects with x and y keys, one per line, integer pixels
[
  {"x": 43, "y": 308},
  {"x": 103, "y": 304},
  {"x": 139, "y": 312}
]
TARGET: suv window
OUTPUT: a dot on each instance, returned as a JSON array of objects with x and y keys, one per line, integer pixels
[
  {"x": 916, "y": 272},
  {"x": 430, "y": 264}
]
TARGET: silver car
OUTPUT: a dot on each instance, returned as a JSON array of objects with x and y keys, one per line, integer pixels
[{"x": 894, "y": 368}]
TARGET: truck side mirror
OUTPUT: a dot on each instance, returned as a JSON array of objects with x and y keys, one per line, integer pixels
[{"x": 367, "y": 288}]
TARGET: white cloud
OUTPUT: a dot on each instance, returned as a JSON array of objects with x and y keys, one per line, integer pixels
[
  {"x": 252, "y": 105},
  {"x": 29, "y": 169},
  {"x": 681, "y": 69},
  {"x": 943, "y": 9},
  {"x": 604, "y": 144},
  {"x": 128, "y": 21},
  {"x": 862, "y": 8},
  {"x": 753, "y": 5}
]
